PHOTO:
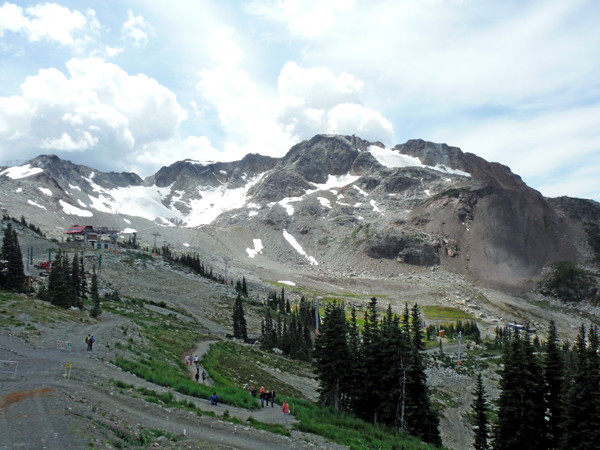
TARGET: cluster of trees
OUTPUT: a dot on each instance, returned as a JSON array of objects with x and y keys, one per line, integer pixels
[
  {"x": 67, "y": 284},
  {"x": 377, "y": 374},
  {"x": 469, "y": 330},
  {"x": 191, "y": 261},
  {"x": 279, "y": 302},
  {"x": 12, "y": 274},
  {"x": 549, "y": 400},
  {"x": 289, "y": 333},
  {"x": 132, "y": 242},
  {"x": 23, "y": 222},
  {"x": 242, "y": 287}
]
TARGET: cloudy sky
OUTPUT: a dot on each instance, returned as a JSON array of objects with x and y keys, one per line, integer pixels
[{"x": 135, "y": 85}]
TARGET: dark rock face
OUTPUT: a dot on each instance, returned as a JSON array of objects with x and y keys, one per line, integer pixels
[
  {"x": 320, "y": 157},
  {"x": 587, "y": 211},
  {"x": 281, "y": 184},
  {"x": 405, "y": 248}
]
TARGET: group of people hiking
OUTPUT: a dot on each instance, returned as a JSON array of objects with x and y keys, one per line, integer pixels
[
  {"x": 188, "y": 360},
  {"x": 265, "y": 396},
  {"x": 89, "y": 340}
]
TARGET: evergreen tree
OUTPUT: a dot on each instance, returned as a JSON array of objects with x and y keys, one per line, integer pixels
[
  {"x": 239, "y": 319},
  {"x": 479, "y": 409},
  {"x": 96, "y": 311},
  {"x": 582, "y": 409},
  {"x": 244, "y": 287},
  {"x": 76, "y": 281},
  {"x": 12, "y": 274},
  {"x": 521, "y": 420},
  {"x": 60, "y": 287},
  {"x": 331, "y": 356},
  {"x": 554, "y": 377},
  {"x": 423, "y": 420},
  {"x": 372, "y": 364},
  {"x": 281, "y": 304},
  {"x": 83, "y": 287}
]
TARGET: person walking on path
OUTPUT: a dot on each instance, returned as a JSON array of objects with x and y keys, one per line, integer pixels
[
  {"x": 92, "y": 340},
  {"x": 262, "y": 397},
  {"x": 197, "y": 362},
  {"x": 197, "y": 376},
  {"x": 203, "y": 376},
  {"x": 286, "y": 410},
  {"x": 213, "y": 399},
  {"x": 87, "y": 341},
  {"x": 267, "y": 397},
  {"x": 187, "y": 360},
  {"x": 272, "y": 398}
]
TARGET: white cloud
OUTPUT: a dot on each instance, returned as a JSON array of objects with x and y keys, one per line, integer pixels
[
  {"x": 552, "y": 151},
  {"x": 98, "y": 106},
  {"x": 50, "y": 22},
  {"x": 315, "y": 101},
  {"x": 112, "y": 51},
  {"x": 306, "y": 18},
  {"x": 135, "y": 31},
  {"x": 309, "y": 101}
]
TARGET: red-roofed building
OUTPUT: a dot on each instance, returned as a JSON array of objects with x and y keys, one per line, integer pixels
[{"x": 86, "y": 232}]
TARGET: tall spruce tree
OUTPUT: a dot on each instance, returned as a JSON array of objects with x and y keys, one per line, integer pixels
[
  {"x": 12, "y": 274},
  {"x": 372, "y": 364},
  {"x": 83, "y": 287},
  {"x": 521, "y": 418},
  {"x": 96, "y": 311},
  {"x": 60, "y": 286},
  {"x": 239, "y": 319},
  {"x": 424, "y": 421},
  {"x": 554, "y": 378},
  {"x": 582, "y": 408},
  {"x": 479, "y": 409},
  {"x": 331, "y": 356}
]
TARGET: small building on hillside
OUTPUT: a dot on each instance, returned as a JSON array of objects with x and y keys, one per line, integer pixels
[{"x": 94, "y": 235}]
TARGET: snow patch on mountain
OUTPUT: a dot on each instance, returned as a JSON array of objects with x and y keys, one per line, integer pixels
[
  {"x": 258, "y": 248},
  {"x": 294, "y": 243},
  {"x": 45, "y": 191},
  {"x": 18, "y": 172},
  {"x": 74, "y": 211},
  {"x": 216, "y": 201},
  {"x": 324, "y": 202},
  {"x": 289, "y": 283},
  {"x": 391, "y": 158},
  {"x": 31, "y": 202}
]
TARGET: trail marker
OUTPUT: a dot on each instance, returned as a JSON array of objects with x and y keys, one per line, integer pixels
[
  {"x": 9, "y": 367},
  {"x": 67, "y": 373}
]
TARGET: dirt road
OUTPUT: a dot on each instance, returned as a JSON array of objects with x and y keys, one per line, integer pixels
[{"x": 40, "y": 409}]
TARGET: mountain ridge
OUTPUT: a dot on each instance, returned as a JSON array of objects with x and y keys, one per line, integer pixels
[{"x": 329, "y": 200}]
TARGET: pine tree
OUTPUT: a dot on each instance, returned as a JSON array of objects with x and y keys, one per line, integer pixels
[
  {"x": 12, "y": 276},
  {"x": 96, "y": 311},
  {"x": 244, "y": 287},
  {"x": 479, "y": 409},
  {"x": 423, "y": 420},
  {"x": 83, "y": 287},
  {"x": 582, "y": 408},
  {"x": 554, "y": 378},
  {"x": 76, "y": 281},
  {"x": 239, "y": 319},
  {"x": 331, "y": 356},
  {"x": 60, "y": 286},
  {"x": 372, "y": 363}
]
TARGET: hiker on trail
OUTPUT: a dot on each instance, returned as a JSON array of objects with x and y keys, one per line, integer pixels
[
  {"x": 197, "y": 362},
  {"x": 87, "y": 341},
  {"x": 286, "y": 410},
  {"x": 267, "y": 397},
  {"x": 262, "y": 398},
  {"x": 187, "y": 360},
  {"x": 253, "y": 391},
  {"x": 92, "y": 340},
  {"x": 197, "y": 376},
  {"x": 213, "y": 399},
  {"x": 272, "y": 397},
  {"x": 203, "y": 376}
]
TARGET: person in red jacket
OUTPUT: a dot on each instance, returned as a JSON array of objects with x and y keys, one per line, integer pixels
[{"x": 286, "y": 411}]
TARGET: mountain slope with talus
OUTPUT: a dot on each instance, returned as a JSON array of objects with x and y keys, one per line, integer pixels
[{"x": 338, "y": 203}]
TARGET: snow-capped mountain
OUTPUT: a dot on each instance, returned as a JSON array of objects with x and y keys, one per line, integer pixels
[{"x": 334, "y": 201}]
